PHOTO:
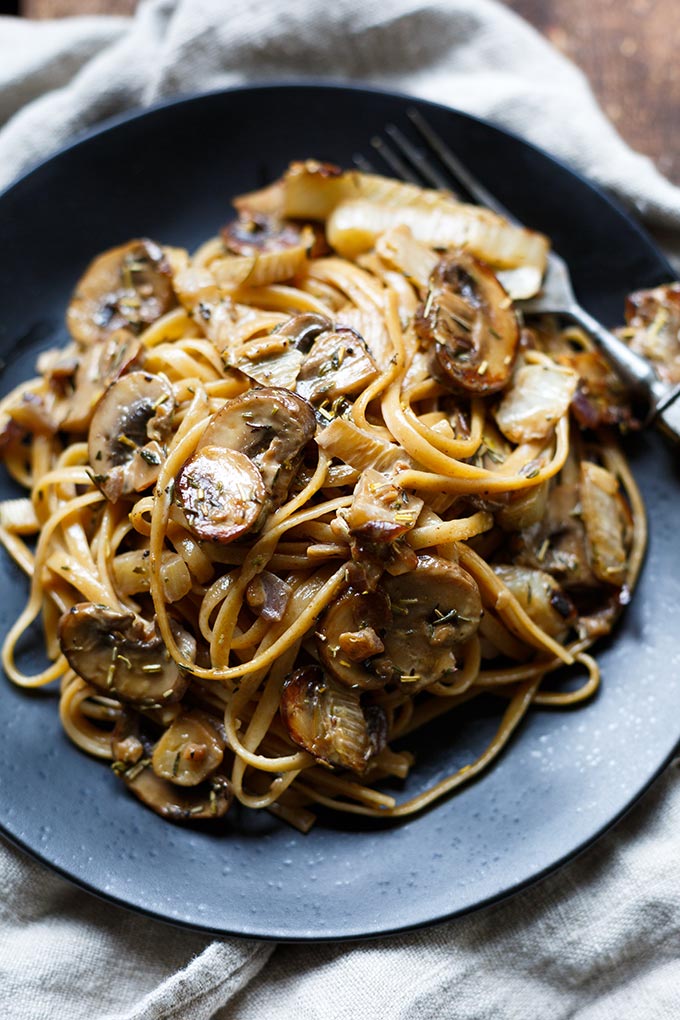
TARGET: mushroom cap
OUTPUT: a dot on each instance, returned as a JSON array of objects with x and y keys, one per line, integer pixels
[
  {"x": 127, "y": 430},
  {"x": 122, "y": 655},
  {"x": 271, "y": 426},
  {"x": 128, "y": 286},
  {"x": 469, "y": 321},
  {"x": 221, "y": 493}
]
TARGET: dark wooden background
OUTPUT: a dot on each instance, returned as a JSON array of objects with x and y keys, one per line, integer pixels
[{"x": 628, "y": 49}]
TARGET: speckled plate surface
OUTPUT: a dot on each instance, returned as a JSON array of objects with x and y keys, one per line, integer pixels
[{"x": 169, "y": 173}]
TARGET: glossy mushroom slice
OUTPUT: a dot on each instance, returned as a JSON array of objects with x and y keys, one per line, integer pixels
[
  {"x": 436, "y": 608},
  {"x": 131, "y": 422},
  {"x": 381, "y": 510},
  {"x": 123, "y": 655},
  {"x": 131, "y": 748},
  {"x": 98, "y": 366},
  {"x": 338, "y": 364},
  {"x": 190, "y": 749},
  {"x": 129, "y": 286},
  {"x": 221, "y": 493},
  {"x": 271, "y": 426},
  {"x": 468, "y": 319},
  {"x": 541, "y": 597},
  {"x": 276, "y": 360},
  {"x": 257, "y": 233},
  {"x": 350, "y": 634},
  {"x": 328, "y": 720}
]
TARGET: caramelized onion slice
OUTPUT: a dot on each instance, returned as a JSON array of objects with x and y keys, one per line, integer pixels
[
  {"x": 468, "y": 319},
  {"x": 271, "y": 426},
  {"x": 129, "y": 286},
  {"x": 537, "y": 398},
  {"x": 190, "y": 750},
  {"x": 221, "y": 493},
  {"x": 128, "y": 428},
  {"x": 540, "y": 596},
  {"x": 350, "y": 634},
  {"x": 607, "y": 521},
  {"x": 436, "y": 608},
  {"x": 123, "y": 655},
  {"x": 328, "y": 720}
]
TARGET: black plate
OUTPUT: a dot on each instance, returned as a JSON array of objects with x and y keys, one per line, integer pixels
[{"x": 169, "y": 173}]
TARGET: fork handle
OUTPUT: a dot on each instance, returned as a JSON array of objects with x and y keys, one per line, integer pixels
[{"x": 635, "y": 370}]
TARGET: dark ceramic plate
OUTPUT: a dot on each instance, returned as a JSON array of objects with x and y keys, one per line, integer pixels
[{"x": 169, "y": 173}]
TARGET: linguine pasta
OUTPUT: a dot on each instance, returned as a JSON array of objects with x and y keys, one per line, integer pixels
[{"x": 292, "y": 497}]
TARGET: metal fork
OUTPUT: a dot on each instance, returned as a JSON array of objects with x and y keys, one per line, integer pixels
[{"x": 410, "y": 163}]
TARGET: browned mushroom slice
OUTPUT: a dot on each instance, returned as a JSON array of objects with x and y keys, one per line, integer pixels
[
  {"x": 607, "y": 521},
  {"x": 338, "y": 364},
  {"x": 128, "y": 427},
  {"x": 435, "y": 608},
  {"x": 468, "y": 318},
  {"x": 328, "y": 720},
  {"x": 221, "y": 493},
  {"x": 540, "y": 596},
  {"x": 189, "y": 750},
  {"x": 98, "y": 366},
  {"x": 123, "y": 655},
  {"x": 271, "y": 426},
  {"x": 256, "y": 233},
  {"x": 207, "y": 801},
  {"x": 350, "y": 634},
  {"x": 381, "y": 510},
  {"x": 129, "y": 286}
]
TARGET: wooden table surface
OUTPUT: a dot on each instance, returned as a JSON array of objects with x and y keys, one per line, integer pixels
[{"x": 627, "y": 48}]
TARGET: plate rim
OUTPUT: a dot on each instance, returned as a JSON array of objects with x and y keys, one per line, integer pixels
[{"x": 358, "y": 88}]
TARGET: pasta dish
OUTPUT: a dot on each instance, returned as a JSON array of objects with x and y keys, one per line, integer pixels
[{"x": 293, "y": 496}]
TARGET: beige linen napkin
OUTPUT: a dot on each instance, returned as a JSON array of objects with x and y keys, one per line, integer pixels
[{"x": 600, "y": 939}]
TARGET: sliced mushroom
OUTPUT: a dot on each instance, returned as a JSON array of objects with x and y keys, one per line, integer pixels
[
  {"x": 123, "y": 655},
  {"x": 350, "y": 634},
  {"x": 190, "y": 749},
  {"x": 468, "y": 318},
  {"x": 98, "y": 366},
  {"x": 540, "y": 596},
  {"x": 128, "y": 428},
  {"x": 129, "y": 286},
  {"x": 381, "y": 510},
  {"x": 328, "y": 720},
  {"x": 131, "y": 747},
  {"x": 271, "y": 426},
  {"x": 436, "y": 608},
  {"x": 256, "y": 233},
  {"x": 607, "y": 521},
  {"x": 338, "y": 364},
  {"x": 221, "y": 493}
]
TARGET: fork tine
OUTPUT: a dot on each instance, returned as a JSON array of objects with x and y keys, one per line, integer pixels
[
  {"x": 458, "y": 169},
  {"x": 425, "y": 168},
  {"x": 363, "y": 164},
  {"x": 394, "y": 161}
]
